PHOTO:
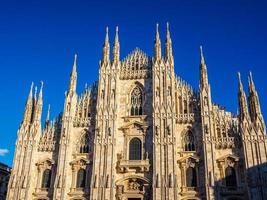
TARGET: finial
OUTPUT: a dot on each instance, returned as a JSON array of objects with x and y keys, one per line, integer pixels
[
  {"x": 239, "y": 81},
  {"x": 202, "y": 55},
  {"x": 30, "y": 93},
  {"x": 251, "y": 82},
  {"x": 168, "y": 31},
  {"x": 41, "y": 90},
  {"x": 35, "y": 92},
  {"x": 157, "y": 32},
  {"x": 106, "y": 39},
  {"x": 117, "y": 35},
  {"x": 239, "y": 76},
  {"x": 75, "y": 59},
  {"x": 42, "y": 84},
  {"x": 48, "y": 113}
]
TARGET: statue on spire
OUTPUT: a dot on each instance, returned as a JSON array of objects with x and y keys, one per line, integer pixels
[
  {"x": 73, "y": 76},
  {"x": 28, "y": 107},
  {"x": 168, "y": 45},
  {"x": 254, "y": 103},
  {"x": 242, "y": 100},
  {"x": 203, "y": 71},
  {"x": 116, "y": 47},
  {"x": 106, "y": 49},
  {"x": 157, "y": 44}
]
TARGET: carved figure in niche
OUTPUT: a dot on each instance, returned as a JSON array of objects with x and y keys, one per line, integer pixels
[{"x": 133, "y": 185}]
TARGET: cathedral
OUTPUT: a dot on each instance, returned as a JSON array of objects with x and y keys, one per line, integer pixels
[{"x": 141, "y": 133}]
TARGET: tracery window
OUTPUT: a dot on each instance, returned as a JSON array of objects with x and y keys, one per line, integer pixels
[
  {"x": 81, "y": 177},
  {"x": 191, "y": 177},
  {"x": 189, "y": 141},
  {"x": 230, "y": 177},
  {"x": 135, "y": 149},
  {"x": 137, "y": 101},
  {"x": 84, "y": 144},
  {"x": 46, "y": 178}
]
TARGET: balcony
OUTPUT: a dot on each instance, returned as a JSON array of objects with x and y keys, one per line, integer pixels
[
  {"x": 192, "y": 191},
  {"x": 226, "y": 142},
  {"x": 185, "y": 118},
  {"x": 124, "y": 166}
]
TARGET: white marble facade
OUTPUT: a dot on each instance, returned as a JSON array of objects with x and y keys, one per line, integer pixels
[{"x": 141, "y": 132}]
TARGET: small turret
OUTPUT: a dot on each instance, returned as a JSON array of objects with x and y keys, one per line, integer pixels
[
  {"x": 168, "y": 45},
  {"x": 157, "y": 45},
  {"x": 116, "y": 47},
  {"x": 242, "y": 100},
  {"x": 106, "y": 49}
]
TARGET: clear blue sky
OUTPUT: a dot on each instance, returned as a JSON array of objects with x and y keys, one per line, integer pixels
[{"x": 38, "y": 39}]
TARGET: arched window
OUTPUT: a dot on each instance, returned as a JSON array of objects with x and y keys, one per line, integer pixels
[
  {"x": 137, "y": 101},
  {"x": 135, "y": 150},
  {"x": 230, "y": 177},
  {"x": 81, "y": 176},
  {"x": 189, "y": 142},
  {"x": 191, "y": 177},
  {"x": 46, "y": 178},
  {"x": 84, "y": 144}
]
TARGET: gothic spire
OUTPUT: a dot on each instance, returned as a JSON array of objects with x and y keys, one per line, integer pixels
[
  {"x": 203, "y": 71},
  {"x": 47, "y": 116},
  {"x": 254, "y": 104},
  {"x": 106, "y": 48},
  {"x": 242, "y": 100},
  {"x": 116, "y": 47},
  {"x": 73, "y": 76},
  {"x": 39, "y": 104},
  {"x": 157, "y": 44},
  {"x": 168, "y": 44},
  {"x": 28, "y": 107}
]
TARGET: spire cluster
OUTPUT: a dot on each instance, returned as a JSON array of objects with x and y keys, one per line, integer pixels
[
  {"x": 168, "y": 55},
  {"x": 115, "y": 51},
  {"x": 33, "y": 107},
  {"x": 253, "y": 111}
]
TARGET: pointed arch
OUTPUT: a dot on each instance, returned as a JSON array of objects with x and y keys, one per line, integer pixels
[
  {"x": 137, "y": 100},
  {"x": 189, "y": 141},
  {"x": 84, "y": 143}
]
